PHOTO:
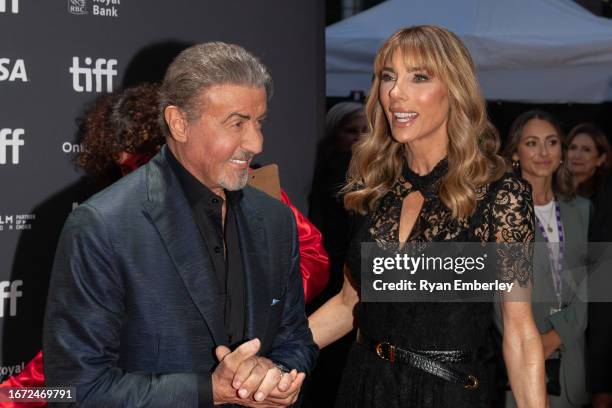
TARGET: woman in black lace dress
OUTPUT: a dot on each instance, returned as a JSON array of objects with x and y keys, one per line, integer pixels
[{"x": 428, "y": 171}]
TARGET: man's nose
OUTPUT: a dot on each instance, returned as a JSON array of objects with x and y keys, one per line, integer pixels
[{"x": 253, "y": 140}]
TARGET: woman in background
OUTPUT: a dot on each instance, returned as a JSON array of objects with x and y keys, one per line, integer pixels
[
  {"x": 589, "y": 158},
  {"x": 537, "y": 151},
  {"x": 345, "y": 122}
]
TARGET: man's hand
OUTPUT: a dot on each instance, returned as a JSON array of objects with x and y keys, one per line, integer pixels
[
  {"x": 260, "y": 379},
  {"x": 288, "y": 397},
  {"x": 244, "y": 378},
  {"x": 222, "y": 377}
]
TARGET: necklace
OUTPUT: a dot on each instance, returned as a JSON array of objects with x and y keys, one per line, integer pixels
[{"x": 547, "y": 216}]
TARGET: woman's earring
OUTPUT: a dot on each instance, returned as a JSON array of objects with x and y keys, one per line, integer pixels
[{"x": 516, "y": 164}]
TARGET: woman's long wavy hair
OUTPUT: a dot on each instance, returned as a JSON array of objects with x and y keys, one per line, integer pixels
[
  {"x": 473, "y": 141},
  {"x": 563, "y": 182}
]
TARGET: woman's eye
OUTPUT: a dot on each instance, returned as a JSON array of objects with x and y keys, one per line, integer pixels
[
  {"x": 386, "y": 77},
  {"x": 530, "y": 143},
  {"x": 553, "y": 142},
  {"x": 420, "y": 78}
]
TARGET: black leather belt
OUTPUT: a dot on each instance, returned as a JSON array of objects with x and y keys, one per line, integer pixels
[{"x": 428, "y": 361}]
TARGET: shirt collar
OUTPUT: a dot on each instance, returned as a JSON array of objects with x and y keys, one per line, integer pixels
[{"x": 194, "y": 190}]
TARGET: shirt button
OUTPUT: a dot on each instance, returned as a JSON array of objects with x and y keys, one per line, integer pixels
[
  {"x": 217, "y": 250},
  {"x": 215, "y": 201}
]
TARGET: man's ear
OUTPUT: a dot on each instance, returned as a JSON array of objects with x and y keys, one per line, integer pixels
[{"x": 177, "y": 123}]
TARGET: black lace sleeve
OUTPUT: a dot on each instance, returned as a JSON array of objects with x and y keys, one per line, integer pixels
[{"x": 512, "y": 223}]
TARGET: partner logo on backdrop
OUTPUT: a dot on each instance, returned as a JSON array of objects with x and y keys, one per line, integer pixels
[
  {"x": 102, "y": 72},
  {"x": 10, "y": 141},
  {"x": 102, "y": 8},
  {"x": 13, "y": 71},
  {"x": 9, "y": 290},
  {"x": 77, "y": 7},
  {"x": 69, "y": 148},
  {"x": 13, "y": 9},
  {"x": 16, "y": 222},
  {"x": 7, "y": 371}
]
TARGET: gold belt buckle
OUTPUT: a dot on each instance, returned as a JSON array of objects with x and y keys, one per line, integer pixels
[
  {"x": 380, "y": 350},
  {"x": 474, "y": 383}
]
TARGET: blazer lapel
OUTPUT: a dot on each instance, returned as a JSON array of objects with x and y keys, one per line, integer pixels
[
  {"x": 543, "y": 272},
  {"x": 257, "y": 270},
  {"x": 571, "y": 230},
  {"x": 170, "y": 212}
]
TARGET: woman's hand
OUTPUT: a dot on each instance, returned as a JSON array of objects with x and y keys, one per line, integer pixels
[{"x": 550, "y": 342}]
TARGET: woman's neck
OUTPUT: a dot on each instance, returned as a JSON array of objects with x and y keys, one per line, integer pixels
[
  {"x": 541, "y": 188},
  {"x": 423, "y": 157}
]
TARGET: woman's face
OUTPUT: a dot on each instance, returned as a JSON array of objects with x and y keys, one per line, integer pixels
[
  {"x": 415, "y": 103},
  {"x": 539, "y": 149},
  {"x": 583, "y": 155},
  {"x": 349, "y": 132}
]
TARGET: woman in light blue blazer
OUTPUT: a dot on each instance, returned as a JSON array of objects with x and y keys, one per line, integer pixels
[{"x": 537, "y": 152}]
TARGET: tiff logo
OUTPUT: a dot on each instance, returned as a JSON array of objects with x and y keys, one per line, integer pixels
[
  {"x": 103, "y": 71},
  {"x": 14, "y": 6},
  {"x": 12, "y": 294},
  {"x": 11, "y": 138}
]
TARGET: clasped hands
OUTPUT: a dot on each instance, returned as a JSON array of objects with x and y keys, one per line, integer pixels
[{"x": 244, "y": 378}]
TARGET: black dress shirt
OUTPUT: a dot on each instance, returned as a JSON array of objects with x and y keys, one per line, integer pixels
[{"x": 222, "y": 244}]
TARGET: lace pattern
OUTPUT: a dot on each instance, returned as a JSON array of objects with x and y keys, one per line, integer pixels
[{"x": 504, "y": 214}]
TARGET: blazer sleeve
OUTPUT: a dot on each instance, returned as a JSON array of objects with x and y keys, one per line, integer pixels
[
  {"x": 571, "y": 322},
  {"x": 84, "y": 315},
  {"x": 293, "y": 346}
]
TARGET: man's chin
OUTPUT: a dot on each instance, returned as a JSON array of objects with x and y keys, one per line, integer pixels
[{"x": 236, "y": 184}]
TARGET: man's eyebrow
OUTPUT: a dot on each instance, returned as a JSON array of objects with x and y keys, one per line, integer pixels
[{"x": 234, "y": 114}]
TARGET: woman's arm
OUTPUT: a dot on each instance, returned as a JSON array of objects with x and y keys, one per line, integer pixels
[
  {"x": 513, "y": 223},
  {"x": 335, "y": 318},
  {"x": 523, "y": 354}
]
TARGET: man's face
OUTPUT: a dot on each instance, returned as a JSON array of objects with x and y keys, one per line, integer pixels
[{"x": 221, "y": 142}]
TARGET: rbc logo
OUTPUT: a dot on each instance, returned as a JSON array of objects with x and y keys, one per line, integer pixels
[
  {"x": 12, "y": 294},
  {"x": 10, "y": 138},
  {"x": 77, "y": 7},
  {"x": 12, "y": 72},
  {"x": 103, "y": 71},
  {"x": 14, "y": 6}
]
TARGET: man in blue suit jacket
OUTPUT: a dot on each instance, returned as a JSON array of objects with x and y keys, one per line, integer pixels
[{"x": 156, "y": 276}]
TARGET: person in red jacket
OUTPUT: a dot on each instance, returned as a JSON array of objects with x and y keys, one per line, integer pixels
[{"x": 121, "y": 133}]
